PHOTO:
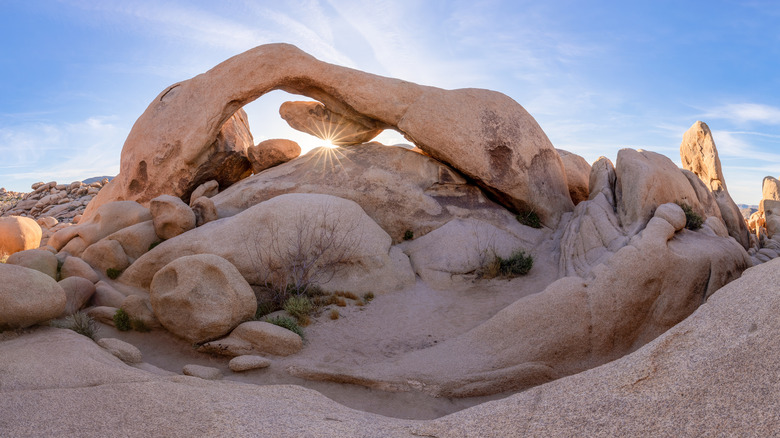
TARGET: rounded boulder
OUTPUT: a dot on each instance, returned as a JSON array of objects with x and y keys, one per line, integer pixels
[
  {"x": 201, "y": 297},
  {"x": 19, "y": 233},
  {"x": 28, "y": 297}
]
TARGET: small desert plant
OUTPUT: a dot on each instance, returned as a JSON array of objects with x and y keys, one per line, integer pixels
[
  {"x": 264, "y": 308},
  {"x": 517, "y": 264},
  {"x": 693, "y": 220},
  {"x": 348, "y": 295},
  {"x": 139, "y": 325},
  {"x": 334, "y": 314},
  {"x": 408, "y": 235},
  {"x": 368, "y": 296},
  {"x": 122, "y": 320},
  {"x": 288, "y": 323},
  {"x": 299, "y": 307},
  {"x": 339, "y": 301},
  {"x": 80, "y": 323},
  {"x": 530, "y": 219},
  {"x": 113, "y": 273}
]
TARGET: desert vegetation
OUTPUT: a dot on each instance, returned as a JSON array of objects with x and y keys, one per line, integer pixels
[
  {"x": 693, "y": 220},
  {"x": 80, "y": 323}
]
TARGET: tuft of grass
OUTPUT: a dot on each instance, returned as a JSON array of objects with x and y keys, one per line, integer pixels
[
  {"x": 368, "y": 296},
  {"x": 693, "y": 220},
  {"x": 80, "y": 323},
  {"x": 139, "y": 325},
  {"x": 519, "y": 263},
  {"x": 334, "y": 314},
  {"x": 339, "y": 301},
  {"x": 264, "y": 308},
  {"x": 113, "y": 273},
  {"x": 408, "y": 235},
  {"x": 122, "y": 320},
  {"x": 530, "y": 219},
  {"x": 288, "y": 323},
  {"x": 299, "y": 307}
]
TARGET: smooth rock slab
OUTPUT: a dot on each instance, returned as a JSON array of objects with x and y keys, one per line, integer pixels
[
  {"x": 28, "y": 297},
  {"x": 248, "y": 362},
  {"x": 206, "y": 373},
  {"x": 126, "y": 352}
]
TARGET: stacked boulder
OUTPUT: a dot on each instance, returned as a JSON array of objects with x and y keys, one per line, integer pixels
[{"x": 764, "y": 224}]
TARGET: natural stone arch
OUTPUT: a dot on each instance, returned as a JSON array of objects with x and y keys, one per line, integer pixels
[{"x": 484, "y": 134}]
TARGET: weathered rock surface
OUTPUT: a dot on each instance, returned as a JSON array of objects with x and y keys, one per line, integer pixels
[
  {"x": 207, "y": 189},
  {"x": 263, "y": 241},
  {"x": 78, "y": 291},
  {"x": 28, "y": 297},
  {"x": 699, "y": 155},
  {"x": 171, "y": 216},
  {"x": 75, "y": 267},
  {"x": 106, "y": 254},
  {"x": 18, "y": 233},
  {"x": 202, "y": 372},
  {"x": 127, "y": 353},
  {"x": 205, "y": 211},
  {"x": 53, "y": 205},
  {"x": 313, "y": 118},
  {"x": 271, "y": 153},
  {"x": 647, "y": 287},
  {"x": 577, "y": 175},
  {"x": 484, "y": 134},
  {"x": 201, "y": 297},
  {"x": 400, "y": 189},
  {"x": 38, "y": 259},
  {"x": 248, "y": 362},
  {"x": 256, "y": 337}
]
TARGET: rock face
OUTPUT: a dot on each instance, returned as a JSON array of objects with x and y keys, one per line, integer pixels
[
  {"x": 58, "y": 202},
  {"x": 400, "y": 189},
  {"x": 18, "y": 234},
  {"x": 577, "y": 175},
  {"x": 483, "y": 134},
  {"x": 271, "y": 153},
  {"x": 201, "y": 297},
  {"x": 171, "y": 216},
  {"x": 38, "y": 259},
  {"x": 28, "y": 297},
  {"x": 266, "y": 239},
  {"x": 313, "y": 118},
  {"x": 699, "y": 155},
  {"x": 256, "y": 337},
  {"x": 156, "y": 163}
]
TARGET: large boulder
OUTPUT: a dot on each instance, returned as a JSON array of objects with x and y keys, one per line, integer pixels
[
  {"x": 484, "y": 134},
  {"x": 106, "y": 220},
  {"x": 28, "y": 297},
  {"x": 699, "y": 155},
  {"x": 577, "y": 175},
  {"x": 38, "y": 259},
  {"x": 201, "y": 297},
  {"x": 400, "y": 189},
  {"x": 271, "y": 153},
  {"x": 171, "y": 216},
  {"x": 313, "y": 118},
  {"x": 18, "y": 233},
  {"x": 342, "y": 248},
  {"x": 256, "y": 337}
]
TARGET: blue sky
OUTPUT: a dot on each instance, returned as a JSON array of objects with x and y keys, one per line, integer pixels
[{"x": 598, "y": 76}]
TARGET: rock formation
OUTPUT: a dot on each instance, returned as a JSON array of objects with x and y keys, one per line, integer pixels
[
  {"x": 483, "y": 134},
  {"x": 577, "y": 175},
  {"x": 271, "y": 153},
  {"x": 699, "y": 155},
  {"x": 18, "y": 233},
  {"x": 342, "y": 130}
]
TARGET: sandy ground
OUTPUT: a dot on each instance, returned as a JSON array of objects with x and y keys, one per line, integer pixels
[{"x": 391, "y": 325}]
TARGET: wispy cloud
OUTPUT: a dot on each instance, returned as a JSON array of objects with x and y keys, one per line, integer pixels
[{"x": 742, "y": 113}]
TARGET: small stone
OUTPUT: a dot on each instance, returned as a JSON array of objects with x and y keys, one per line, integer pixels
[
  {"x": 207, "y": 373},
  {"x": 248, "y": 362},
  {"x": 127, "y": 353}
]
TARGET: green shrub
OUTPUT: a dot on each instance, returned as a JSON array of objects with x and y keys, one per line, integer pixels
[
  {"x": 529, "y": 219},
  {"x": 113, "y": 273},
  {"x": 298, "y": 306},
  {"x": 80, "y": 323},
  {"x": 288, "y": 323},
  {"x": 368, "y": 296},
  {"x": 264, "y": 308},
  {"x": 517, "y": 264},
  {"x": 693, "y": 220},
  {"x": 408, "y": 235},
  {"x": 122, "y": 321},
  {"x": 139, "y": 325}
]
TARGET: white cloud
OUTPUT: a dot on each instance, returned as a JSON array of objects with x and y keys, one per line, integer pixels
[{"x": 742, "y": 113}]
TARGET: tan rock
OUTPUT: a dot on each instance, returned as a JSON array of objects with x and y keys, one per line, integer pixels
[
  {"x": 699, "y": 155},
  {"x": 78, "y": 292},
  {"x": 315, "y": 119},
  {"x": 271, "y": 153},
  {"x": 770, "y": 188},
  {"x": 772, "y": 217},
  {"x": 38, "y": 259},
  {"x": 18, "y": 234},
  {"x": 135, "y": 239},
  {"x": 106, "y": 254},
  {"x": 171, "y": 216},
  {"x": 28, "y": 297},
  {"x": 602, "y": 179},
  {"x": 248, "y": 362},
  {"x": 139, "y": 308},
  {"x": 107, "y": 296},
  {"x": 75, "y": 267},
  {"x": 400, "y": 189},
  {"x": 484, "y": 134},
  {"x": 357, "y": 252},
  {"x": 126, "y": 352},
  {"x": 103, "y": 314},
  {"x": 256, "y": 337},
  {"x": 202, "y": 372},
  {"x": 47, "y": 222},
  {"x": 577, "y": 175},
  {"x": 207, "y": 189},
  {"x": 205, "y": 211},
  {"x": 201, "y": 297}
]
